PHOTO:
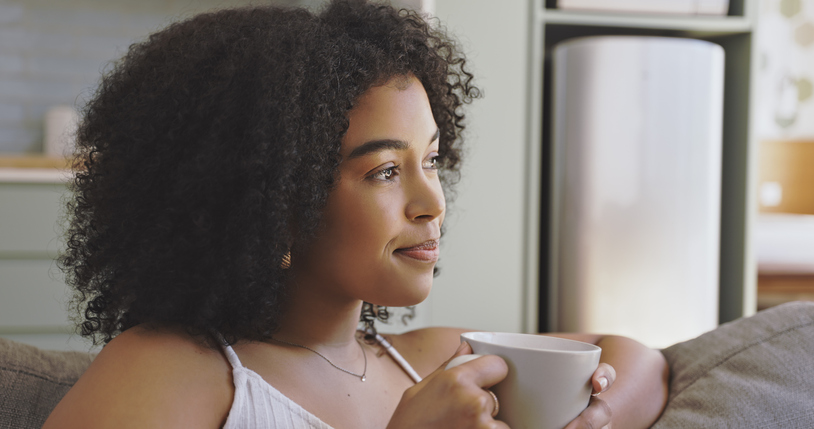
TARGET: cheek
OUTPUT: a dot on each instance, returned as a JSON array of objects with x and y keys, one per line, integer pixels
[{"x": 366, "y": 222}]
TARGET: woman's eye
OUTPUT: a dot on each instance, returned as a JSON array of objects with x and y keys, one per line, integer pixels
[
  {"x": 385, "y": 173},
  {"x": 431, "y": 163}
]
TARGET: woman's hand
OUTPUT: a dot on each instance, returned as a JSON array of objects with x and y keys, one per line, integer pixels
[
  {"x": 453, "y": 398},
  {"x": 598, "y": 413},
  {"x": 640, "y": 392}
]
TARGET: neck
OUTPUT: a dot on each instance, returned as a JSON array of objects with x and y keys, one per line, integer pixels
[{"x": 314, "y": 318}]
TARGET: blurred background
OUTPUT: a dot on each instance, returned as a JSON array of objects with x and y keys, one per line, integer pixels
[
  {"x": 496, "y": 256},
  {"x": 784, "y": 232}
]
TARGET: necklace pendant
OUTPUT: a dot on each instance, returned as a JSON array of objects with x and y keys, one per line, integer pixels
[{"x": 364, "y": 378}]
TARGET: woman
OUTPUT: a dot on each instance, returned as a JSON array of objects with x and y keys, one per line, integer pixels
[{"x": 252, "y": 183}]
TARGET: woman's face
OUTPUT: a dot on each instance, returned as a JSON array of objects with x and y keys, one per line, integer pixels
[{"x": 382, "y": 221}]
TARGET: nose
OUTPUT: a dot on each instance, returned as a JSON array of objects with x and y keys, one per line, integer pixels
[{"x": 425, "y": 199}]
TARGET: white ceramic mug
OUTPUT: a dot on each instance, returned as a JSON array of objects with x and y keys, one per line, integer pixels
[{"x": 549, "y": 380}]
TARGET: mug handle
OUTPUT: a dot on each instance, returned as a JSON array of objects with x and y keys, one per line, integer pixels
[{"x": 461, "y": 360}]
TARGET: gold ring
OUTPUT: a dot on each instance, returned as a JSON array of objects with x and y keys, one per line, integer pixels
[{"x": 497, "y": 404}]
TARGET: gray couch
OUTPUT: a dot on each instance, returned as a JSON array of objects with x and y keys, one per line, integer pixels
[
  {"x": 756, "y": 372},
  {"x": 32, "y": 381}
]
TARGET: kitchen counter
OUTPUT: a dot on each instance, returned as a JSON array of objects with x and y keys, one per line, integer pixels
[{"x": 33, "y": 169}]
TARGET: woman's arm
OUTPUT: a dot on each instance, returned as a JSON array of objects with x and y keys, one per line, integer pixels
[
  {"x": 149, "y": 378},
  {"x": 640, "y": 390}
]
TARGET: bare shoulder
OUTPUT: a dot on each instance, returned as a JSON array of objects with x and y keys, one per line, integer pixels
[
  {"x": 157, "y": 377},
  {"x": 426, "y": 349}
]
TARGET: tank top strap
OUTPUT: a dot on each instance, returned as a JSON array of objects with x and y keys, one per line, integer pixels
[
  {"x": 397, "y": 357},
  {"x": 231, "y": 356}
]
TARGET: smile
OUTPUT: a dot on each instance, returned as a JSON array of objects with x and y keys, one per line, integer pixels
[{"x": 425, "y": 252}]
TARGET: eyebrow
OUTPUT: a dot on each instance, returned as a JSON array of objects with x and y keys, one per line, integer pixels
[{"x": 385, "y": 144}]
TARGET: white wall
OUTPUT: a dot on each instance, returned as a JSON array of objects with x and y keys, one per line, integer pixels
[
  {"x": 785, "y": 73},
  {"x": 481, "y": 285}
]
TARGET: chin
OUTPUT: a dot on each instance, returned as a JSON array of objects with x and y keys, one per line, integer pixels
[
  {"x": 414, "y": 294},
  {"x": 419, "y": 299},
  {"x": 422, "y": 288}
]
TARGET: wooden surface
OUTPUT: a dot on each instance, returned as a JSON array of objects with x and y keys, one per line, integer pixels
[
  {"x": 774, "y": 289},
  {"x": 791, "y": 164},
  {"x": 31, "y": 161}
]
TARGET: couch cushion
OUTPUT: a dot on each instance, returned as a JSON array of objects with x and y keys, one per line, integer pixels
[
  {"x": 756, "y": 372},
  {"x": 32, "y": 382}
]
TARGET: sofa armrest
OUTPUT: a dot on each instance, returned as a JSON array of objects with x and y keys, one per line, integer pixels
[
  {"x": 33, "y": 381},
  {"x": 755, "y": 372}
]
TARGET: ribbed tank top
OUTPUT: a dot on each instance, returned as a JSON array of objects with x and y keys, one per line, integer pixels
[{"x": 257, "y": 404}]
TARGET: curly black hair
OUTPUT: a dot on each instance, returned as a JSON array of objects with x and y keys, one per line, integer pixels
[{"x": 209, "y": 150}]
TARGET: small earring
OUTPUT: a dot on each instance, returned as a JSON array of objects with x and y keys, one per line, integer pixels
[{"x": 286, "y": 263}]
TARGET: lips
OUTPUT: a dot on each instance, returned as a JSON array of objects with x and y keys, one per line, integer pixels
[{"x": 425, "y": 252}]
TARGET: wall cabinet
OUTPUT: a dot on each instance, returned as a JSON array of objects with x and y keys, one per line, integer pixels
[{"x": 33, "y": 295}]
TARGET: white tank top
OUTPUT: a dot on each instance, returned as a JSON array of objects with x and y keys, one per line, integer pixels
[{"x": 257, "y": 404}]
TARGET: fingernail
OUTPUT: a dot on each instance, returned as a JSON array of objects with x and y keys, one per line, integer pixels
[
  {"x": 461, "y": 347},
  {"x": 603, "y": 383}
]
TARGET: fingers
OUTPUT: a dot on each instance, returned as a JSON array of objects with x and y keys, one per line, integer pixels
[
  {"x": 461, "y": 390},
  {"x": 602, "y": 379},
  {"x": 597, "y": 415},
  {"x": 485, "y": 371},
  {"x": 463, "y": 349}
]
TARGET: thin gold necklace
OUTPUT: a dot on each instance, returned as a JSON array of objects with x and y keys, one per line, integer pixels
[{"x": 360, "y": 376}]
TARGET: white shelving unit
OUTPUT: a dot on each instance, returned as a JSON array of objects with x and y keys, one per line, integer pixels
[{"x": 549, "y": 26}]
